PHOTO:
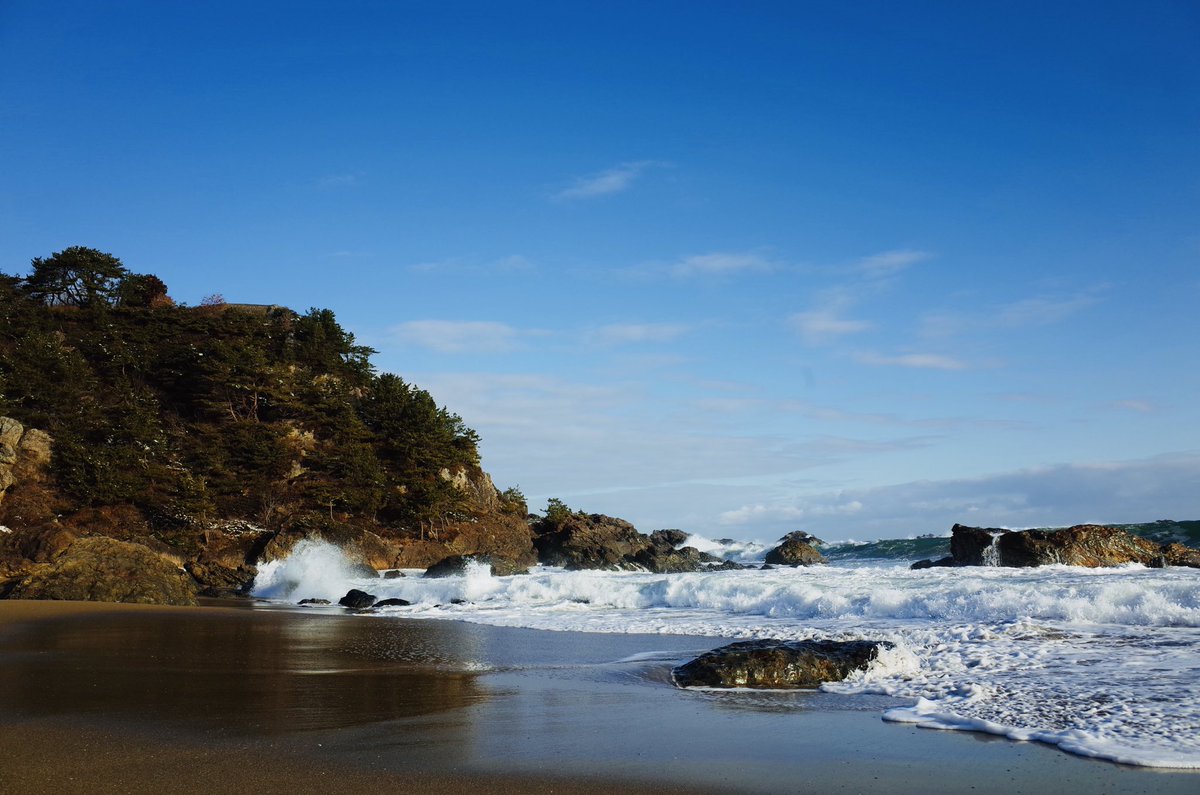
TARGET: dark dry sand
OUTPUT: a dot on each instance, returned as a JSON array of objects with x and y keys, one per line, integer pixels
[{"x": 104, "y": 698}]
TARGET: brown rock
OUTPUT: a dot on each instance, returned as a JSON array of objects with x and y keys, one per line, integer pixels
[
  {"x": 797, "y": 549},
  {"x": 1179, "y": 555},
  {"x": 105, "y": 570},
  {"x": 1082, "y": 545},
  {"x": 590, "y": 541}
]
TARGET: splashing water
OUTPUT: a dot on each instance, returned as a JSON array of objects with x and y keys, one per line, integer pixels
[{"x": 1101, "y": 662}]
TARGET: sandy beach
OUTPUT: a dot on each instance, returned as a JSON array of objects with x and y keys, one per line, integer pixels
[{"x": 225, "y": 697}]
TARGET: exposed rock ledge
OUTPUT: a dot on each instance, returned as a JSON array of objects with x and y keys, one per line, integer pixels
[{"x": 1082, "y": 545}]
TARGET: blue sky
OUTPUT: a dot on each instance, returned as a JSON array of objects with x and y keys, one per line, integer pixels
[{"x": 863, "y": 269}]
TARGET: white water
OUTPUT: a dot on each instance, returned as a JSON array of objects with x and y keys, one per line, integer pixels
[{"x": 1101, "y": 662}]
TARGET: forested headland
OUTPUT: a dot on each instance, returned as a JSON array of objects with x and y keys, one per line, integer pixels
[{"x": 182, "y": 427}]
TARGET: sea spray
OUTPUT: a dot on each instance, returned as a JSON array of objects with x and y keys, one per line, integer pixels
[
  {"x": 1102, "y": 662},
  {"x": 313, "y": 570}
]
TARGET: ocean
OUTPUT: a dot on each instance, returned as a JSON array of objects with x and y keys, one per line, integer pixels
[{"x": 1102, "y": 663}]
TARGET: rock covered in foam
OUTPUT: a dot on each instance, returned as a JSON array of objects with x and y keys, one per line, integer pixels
[{"x": 778, "y": 664}]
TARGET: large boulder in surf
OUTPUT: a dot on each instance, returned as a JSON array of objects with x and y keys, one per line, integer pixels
[
  {"x": 778, "y": 664},
  {"x": 1082, "y": 545},
  {"x": 662, "y": 557},
  {"x": 1179, "y": 555},
  {"x": 676, "y": 561},
  {"x": 457, "y": 566},
  {"x": 100, "y": 569},
  {"x": 357, "y": 600},
  {"x": 589, "y": 541},
  {"x": 968, "y": 545},
  {"x": 798, "y": 549}
]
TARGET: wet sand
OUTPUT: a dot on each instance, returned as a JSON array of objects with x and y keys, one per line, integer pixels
[{"x": 112, "y": 698}]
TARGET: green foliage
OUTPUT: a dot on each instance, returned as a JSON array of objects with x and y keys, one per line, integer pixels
[
  {"x": 219, "y": 411},
  {"x": 512, "y": 500},
  {"x": 76, "y": 276},
  {"x": 557, "y": 511},
  {"x": 143, "y": 290}
]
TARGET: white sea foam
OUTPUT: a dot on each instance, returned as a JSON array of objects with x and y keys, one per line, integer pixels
[
  {"x": 745, "y": 552},
  {"x": 1101, "y": 662}
]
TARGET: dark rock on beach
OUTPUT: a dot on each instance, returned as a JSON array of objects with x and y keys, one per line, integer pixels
[
  {"x": 357, "y": 600},
  {"x": 797, "y": 549},
  {"x": 392, "y": 574},
  {"x": 392, "y": 603},
  {"x": 313, "y": 602},
  {"x": 778, "y": 664}
]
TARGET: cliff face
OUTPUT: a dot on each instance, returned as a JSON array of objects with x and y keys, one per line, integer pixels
[{"x": 112, "y": 553}]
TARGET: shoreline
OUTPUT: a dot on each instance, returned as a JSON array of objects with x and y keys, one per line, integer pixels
[{"x": 316, "y": 700}]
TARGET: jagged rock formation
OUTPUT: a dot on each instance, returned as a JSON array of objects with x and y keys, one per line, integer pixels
[
  {"x": 777, "y": 664},
  {"x": 577, "y": 540},
  {"x": 456, "y": 565},
  {"x": 798, "y": 549},
  {"x": 1082, "y": 545}
]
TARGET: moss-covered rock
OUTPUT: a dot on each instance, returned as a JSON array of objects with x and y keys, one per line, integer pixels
[{"x": 105, "y": 570}]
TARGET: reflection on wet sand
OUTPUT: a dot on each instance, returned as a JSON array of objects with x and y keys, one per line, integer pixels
[{"x": 264, "y": 673}]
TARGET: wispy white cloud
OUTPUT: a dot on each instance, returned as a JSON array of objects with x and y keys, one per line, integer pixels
[
  {"x": 1139, "y": 406},
  {"x": 606, "y": 183},
  {"x": 827, "y": 321},
  {"x": 822, "y": 326},
  {"x": 632, "y": 333},
  {"x": 449, "y": 336},
  {"x": 773, "y": 514},
  {"x": 721, "y": 264},
  {"x": 889, "y": 263},
  {"x": 1033, "y": 312},
  {"x": 920, "y": 361},
  {"x": 1110, "y": 491}
]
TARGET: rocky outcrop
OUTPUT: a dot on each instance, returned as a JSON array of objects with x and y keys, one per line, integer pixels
[
  {"x": 457, "y": 565},
  {"x": 595, "y": 541},
  {"x": 226, "y": 563},
  {"x": 1179, "y": 555},
  {"x": 105, "y": 570},
  {"x": 590, "y": 541},
  {"x": 778, "y": 664},
  {"x": 798, "y": 549},
  {"x": 23, "y": 452},
  {"x": 1081, "y": 545}
]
